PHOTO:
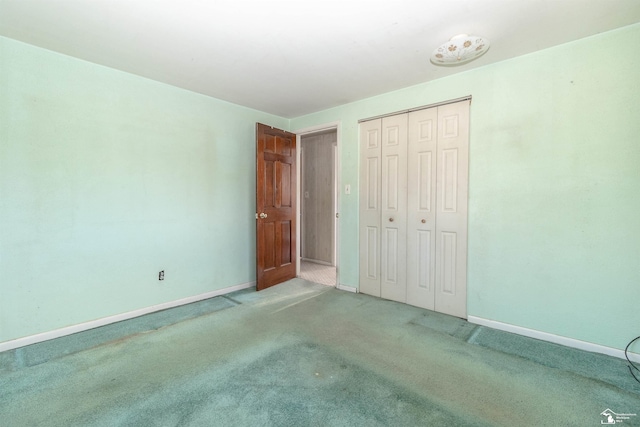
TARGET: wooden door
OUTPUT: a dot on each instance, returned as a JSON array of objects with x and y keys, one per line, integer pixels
[
  {"x": 452, "y": 182},
  {"x": 275, "y": 206},
  {"x": 393, "y": 244},
  {"x": 421, "y": 208}
]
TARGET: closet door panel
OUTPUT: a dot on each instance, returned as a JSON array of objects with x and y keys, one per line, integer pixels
[
  {"x": 452, "y": 179},
  {"x": 394, "y": 208},
  {"x": 370, "y": 206},
  {"x": 421, "y": 218}
]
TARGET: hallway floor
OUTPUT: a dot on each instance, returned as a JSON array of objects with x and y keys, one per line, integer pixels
[
  {"x": 302, "y": 354},
  {"x": 318, "y": 273}
]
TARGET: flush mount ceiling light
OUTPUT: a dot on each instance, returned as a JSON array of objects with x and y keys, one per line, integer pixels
[{"x": 459, "y": 50}]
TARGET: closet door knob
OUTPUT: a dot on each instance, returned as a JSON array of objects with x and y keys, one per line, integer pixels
[
  {"x": 423, "y": 221},
  {"x": 390, "y": 219}
]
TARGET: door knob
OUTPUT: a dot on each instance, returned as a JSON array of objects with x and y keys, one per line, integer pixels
[
  {"x": 390, "y": 219},
  {"x": 263, "y": 215},
  {"x": 423, "y": 221}
]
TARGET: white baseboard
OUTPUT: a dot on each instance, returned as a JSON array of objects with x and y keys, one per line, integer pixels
[
  {"x": 57, "y": 333},
  {"x": 557, "y": 339},
  {"x": 347, "y": 288}
]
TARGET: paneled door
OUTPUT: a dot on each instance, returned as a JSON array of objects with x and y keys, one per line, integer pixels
[
  {"x": 369, "y": 229},
  {"x": 383, "y": 211},
  {"x": 438, "y": 153},
  {"x": 421, "y": 208},
  {"x": 275, "y": 205},
  {"x": 452, "y": 183},
  {"x": 393, "y": 243}
]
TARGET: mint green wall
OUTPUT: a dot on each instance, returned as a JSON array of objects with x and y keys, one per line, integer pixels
[
  {"x": 107, "y": 178},
  {"x": 554, "y": 202}
]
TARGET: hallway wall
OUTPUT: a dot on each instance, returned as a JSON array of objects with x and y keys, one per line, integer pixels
[
  {"x": 318, "y": 191},
  {"x": 107, "y": 178},
  {"x": 554, "y": 230}
]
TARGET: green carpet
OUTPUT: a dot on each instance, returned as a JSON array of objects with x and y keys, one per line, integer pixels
[{"x": 301, "y": 354}]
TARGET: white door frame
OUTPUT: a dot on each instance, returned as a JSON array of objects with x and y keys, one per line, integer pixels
[{"x": 299, "y": 134}]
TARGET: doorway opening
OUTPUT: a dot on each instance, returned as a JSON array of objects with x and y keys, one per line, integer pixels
[{"x": 318, "y": 205}]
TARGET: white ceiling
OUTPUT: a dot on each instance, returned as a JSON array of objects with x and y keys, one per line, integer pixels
[{"x": 293, "y": 57}]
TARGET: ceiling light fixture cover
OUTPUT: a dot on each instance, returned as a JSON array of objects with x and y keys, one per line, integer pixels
[{"x": 459, "y": 50}]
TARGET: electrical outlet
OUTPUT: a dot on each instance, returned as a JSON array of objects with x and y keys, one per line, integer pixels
[{"x": 161, "y": 275}]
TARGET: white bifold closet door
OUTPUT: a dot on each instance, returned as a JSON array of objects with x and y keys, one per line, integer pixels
[
  {"x": 393, "y": 222},
  {"x": 369, "y": 228},
  {"x": 383, "y": 207},
  {"x": 413, "y": 204},
  {"x": 421, "y": 237}
]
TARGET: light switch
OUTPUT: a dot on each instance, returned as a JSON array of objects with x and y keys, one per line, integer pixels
[
  {"x": 306, "y": 194},
  {"x": 347, "y": 189}
]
